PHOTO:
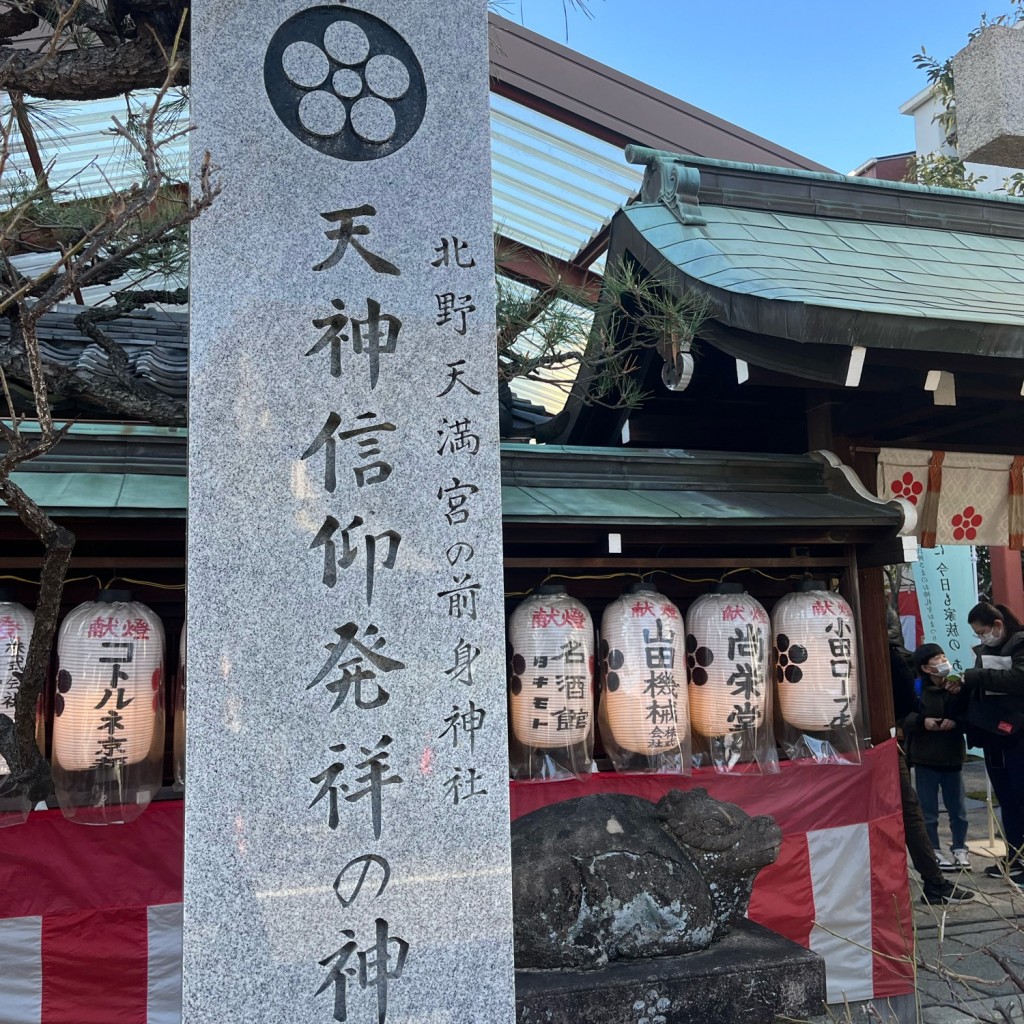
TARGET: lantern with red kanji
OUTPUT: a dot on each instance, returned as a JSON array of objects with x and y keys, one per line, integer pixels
[
  {"x": 815, "y": 646},
  {"x": 551, "y": 685},
  {"x": 727, "y": 644},
  {"x": 16, "y": 623},
  {"x": 108, "y": 714},
  {"x": 644, "y": 715}
]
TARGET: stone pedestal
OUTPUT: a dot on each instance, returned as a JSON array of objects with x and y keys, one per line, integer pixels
[
  {"x": 750, "y": 977},
  {"x": 989, "y": 75},
  {"x": 347, "y": 828}
]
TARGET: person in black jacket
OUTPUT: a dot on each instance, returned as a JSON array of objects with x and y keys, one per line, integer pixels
[
  {"x": 936, "y": 749},
  {"x": 998, "y": 676},
  {"x": 935, "y": 888}
]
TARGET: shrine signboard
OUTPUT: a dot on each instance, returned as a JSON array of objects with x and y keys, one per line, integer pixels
[{"x": 347, "y": 828}]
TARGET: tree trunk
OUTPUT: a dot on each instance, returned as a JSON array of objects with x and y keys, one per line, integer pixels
[{"x": 30, "y": 768}]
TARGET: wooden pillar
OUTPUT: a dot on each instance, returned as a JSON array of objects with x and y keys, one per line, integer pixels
[
  {"x": 875, "y": 652},
  {"x": 819, "y": 422},
  {"x": 865, "y": 465},
  {"x": 1007, "y": 580}
]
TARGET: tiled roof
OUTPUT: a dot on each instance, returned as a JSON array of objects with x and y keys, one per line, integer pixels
[
  {"x": 155, "y": 341},
  {"x": 843, "y": 264},
  {"x": 830, "y": 260}
]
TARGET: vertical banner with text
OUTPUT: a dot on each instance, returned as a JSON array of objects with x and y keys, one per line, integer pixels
[
  {"x": 347, "y": 826},
  {"x": 947, "y": 589}
]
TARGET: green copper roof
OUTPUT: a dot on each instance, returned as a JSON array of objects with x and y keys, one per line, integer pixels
[
  {"x": 827, "y": 260},
  {"x": 557, "y": 484},
  {"x": 105, "y": 494},
  {"x": 675, "y": 487},
  {"x": 686, "y": 508},
  {"x": 783, "y": 275}
]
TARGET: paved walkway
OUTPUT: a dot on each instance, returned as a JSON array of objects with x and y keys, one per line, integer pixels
[{"x": 975, "y": 950}]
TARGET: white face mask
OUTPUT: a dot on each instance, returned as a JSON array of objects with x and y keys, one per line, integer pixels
[
  {"x": 993, "y": 639},
  {"x": 942, "y": 670}
]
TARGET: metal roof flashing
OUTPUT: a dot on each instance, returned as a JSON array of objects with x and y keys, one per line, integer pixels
[
  {"x": 541, "y": 484},
  {"x": 795, "y": 190},
  {"x": 567, "y": 485}
]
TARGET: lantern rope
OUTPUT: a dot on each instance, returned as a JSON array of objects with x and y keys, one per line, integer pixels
[
  {"x": 147, "y": 583},
  {"x": 35, "y": 583},
  {"x": 687, "y": 579},
  {"x": 600, "y": 576},
  {"x": 645, "y": 576},
  {"x": 100, "y": 583},
  {"x": 570, "y": 576}
]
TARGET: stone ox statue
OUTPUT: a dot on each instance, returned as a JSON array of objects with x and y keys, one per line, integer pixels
[{"x": 614, "y": 877}]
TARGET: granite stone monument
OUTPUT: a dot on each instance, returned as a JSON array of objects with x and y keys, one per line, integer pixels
[
  {"x": 989, "y": 75},
  {"x": 347, "y": 827}
]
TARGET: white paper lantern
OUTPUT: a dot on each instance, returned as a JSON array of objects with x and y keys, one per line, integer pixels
[
  {"x": 815, "y": 647},
  {"x": 727, "y": 646},
  {"x": 16, "y": 624},
  {"x": 643, "y": 661},
  {"x": 108, "y": 715},
  {"x": 552, "y": 682}
]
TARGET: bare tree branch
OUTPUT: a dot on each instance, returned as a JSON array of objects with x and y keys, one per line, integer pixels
[
  {"x": 155, "y": 402},
  {"x": 20, "y": 750},
  {"x": 62, "y": 15},
  {"x": 118, "y": 231}
]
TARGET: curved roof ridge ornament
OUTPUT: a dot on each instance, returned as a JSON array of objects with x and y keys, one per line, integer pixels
[
  {"x": 841, "y": 479},
  {"x": 669, "y": 181}
]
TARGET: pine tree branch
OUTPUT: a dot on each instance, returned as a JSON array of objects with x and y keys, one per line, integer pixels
[
  {"x": 93, "y": 72},
  {"x": 125, "y": 229},
  {"x": 62, "y": 15}
]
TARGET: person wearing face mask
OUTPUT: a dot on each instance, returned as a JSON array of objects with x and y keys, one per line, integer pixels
[
  {"x": 998, "y": 677},
  {"x": 934, "y": 736},
  {"x": 935, "y": 888}
]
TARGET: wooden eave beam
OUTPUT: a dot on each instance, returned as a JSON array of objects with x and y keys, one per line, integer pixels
[
  {"x": 597, "y": 245},
  {"x": 524, "y": 263},
  {"x": 562, "y": 84}
]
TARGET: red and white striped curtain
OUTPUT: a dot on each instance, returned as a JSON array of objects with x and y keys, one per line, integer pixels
[
  {"x": 90, "y": 923},
  {"x": 961, "y": 497}
]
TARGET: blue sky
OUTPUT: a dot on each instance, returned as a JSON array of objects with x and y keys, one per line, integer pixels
[{"x": 822, "y": 77}]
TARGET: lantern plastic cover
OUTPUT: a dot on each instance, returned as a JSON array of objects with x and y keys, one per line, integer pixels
[
  {"x": 179, "y": 717},
  {"x": 16, "y": 623},
  {"x": 551, "y": 687},
  {"x": 816, "y": 676},
  {"x": 727, "y": 650},
  {"x": 108, "y": 724},
  {"x": 643, "y": 713}
]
